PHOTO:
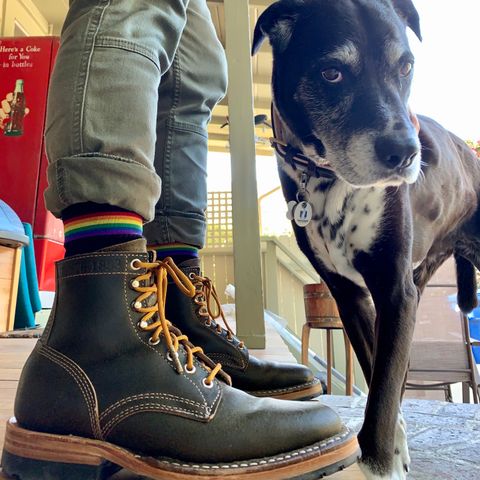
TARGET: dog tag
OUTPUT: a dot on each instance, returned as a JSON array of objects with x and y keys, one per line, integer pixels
[
  {"x": 291, "y": 207},
  {"x": 302, "y": 214}
]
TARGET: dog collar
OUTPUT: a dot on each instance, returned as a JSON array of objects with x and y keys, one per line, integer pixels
[
  {"x": 297, "y": 160},
  {"x": 295, "y": 157}
]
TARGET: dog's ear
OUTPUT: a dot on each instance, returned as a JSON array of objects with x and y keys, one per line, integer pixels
[
  {"x": 276, "y": 23},
  {"x": 408, "y": 12}
]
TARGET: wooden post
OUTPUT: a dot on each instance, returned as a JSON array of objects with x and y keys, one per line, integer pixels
[{"x": 246, "y": 233}]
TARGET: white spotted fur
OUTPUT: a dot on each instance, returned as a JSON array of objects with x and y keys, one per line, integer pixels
[{"x": 339, "y": 259}]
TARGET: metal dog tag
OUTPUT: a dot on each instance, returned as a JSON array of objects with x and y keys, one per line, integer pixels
[
  {"x": 303, "y": 214},
  {"x": 291, "y": 207}
]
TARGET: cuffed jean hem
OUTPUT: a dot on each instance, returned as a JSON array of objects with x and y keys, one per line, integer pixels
[
  {"x": 100, "y": 178},
  {"x": 170, "y": 227}
]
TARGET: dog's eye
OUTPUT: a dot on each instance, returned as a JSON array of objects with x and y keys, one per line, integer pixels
[
  {"x": 405, "y": 69},
  {"x": 332, "y": 75}
]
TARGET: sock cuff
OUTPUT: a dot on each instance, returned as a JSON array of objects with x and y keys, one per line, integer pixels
[{"x": 103, "y": 223}]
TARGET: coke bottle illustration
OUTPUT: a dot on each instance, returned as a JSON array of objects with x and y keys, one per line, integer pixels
[{"x": 14, "y": 126}]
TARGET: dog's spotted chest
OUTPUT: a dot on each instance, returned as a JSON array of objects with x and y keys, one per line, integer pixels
[{"x": 346, "y": 221}]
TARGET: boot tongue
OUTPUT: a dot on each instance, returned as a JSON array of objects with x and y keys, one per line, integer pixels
[{"x": 138, "y": 245}]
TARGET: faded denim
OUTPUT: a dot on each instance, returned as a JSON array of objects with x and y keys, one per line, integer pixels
[{"x": 130, "y": 98}]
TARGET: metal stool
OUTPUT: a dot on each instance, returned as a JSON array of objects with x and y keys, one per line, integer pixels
[{"x": 321, "y": 312}]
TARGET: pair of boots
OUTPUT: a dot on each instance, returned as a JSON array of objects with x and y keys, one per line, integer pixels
[{"x": 112, "y": 383}]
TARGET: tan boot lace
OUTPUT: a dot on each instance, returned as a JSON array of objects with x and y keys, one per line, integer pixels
[
  {"x": 205, "y": 295},
  {"x": 154, "y": 318}
]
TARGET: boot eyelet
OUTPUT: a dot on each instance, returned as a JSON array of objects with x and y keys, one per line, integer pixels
[
  {"x": 134, "y": 283},
  {"x": 230, "y": 339},
  {"x": 137, "y": 305},
  {"x": 142, "y": 325},
  {"x": 153, "y": 342},
  {"x": 191, "y": 276},
  {"x": 207, "y": 385},
  {"x": 193, "y": 370},
  {"x": 169, "y": 357},
  {"x": 134, "y": 264},
  {"x": 208, "y": 324}
]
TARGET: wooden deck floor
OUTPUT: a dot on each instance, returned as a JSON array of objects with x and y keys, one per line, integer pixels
[{"x": 14, "y": 352}]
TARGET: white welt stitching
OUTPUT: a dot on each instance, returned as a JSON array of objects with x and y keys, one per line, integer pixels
[{"x": 305, "y": 450}]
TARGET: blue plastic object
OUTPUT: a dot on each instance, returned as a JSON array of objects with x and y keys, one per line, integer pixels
[
  {"x": 28, "y": 299},
  {"x": 11, "y": 228},
  {"x": 473, "y": 323},
  {"x": 15, "y": 234}
]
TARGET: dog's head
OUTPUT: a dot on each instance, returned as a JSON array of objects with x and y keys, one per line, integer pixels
[{"x": 341, "y": 80}]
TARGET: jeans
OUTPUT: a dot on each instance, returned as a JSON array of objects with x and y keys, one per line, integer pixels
[{"x": 130, "y": 98}]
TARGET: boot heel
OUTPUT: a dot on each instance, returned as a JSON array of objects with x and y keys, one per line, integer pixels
[{"x": 28, "y": 469}]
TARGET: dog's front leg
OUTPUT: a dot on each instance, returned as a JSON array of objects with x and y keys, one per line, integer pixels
[
  {"x": 358, "y": 317},
  {"x": 388, "y": 275}
]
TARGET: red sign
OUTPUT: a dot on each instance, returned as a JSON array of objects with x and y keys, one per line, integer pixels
[{"x": 25, "y": 65}]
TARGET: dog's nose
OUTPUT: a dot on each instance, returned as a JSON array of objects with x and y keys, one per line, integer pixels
[{"x": 396, "y": 153}]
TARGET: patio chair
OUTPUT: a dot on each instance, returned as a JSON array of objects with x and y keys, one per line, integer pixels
[{"x": 439, "y": 364}]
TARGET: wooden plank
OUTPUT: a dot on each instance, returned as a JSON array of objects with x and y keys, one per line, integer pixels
[
  {"x": 6, "y": 384},
  {"x": 10, "y": 373}
]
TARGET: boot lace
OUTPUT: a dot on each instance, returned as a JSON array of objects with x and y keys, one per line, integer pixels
[
  {"x": 205, "y": 296},
  {"x": 154, "y": 319}
]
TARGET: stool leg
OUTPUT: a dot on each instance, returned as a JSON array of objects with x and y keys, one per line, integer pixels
[
  {"x": 348, "y": 365},
  {"x": 466, "y": 392},
  {"x": 305, "y": 342},
  {"x": 329, "y": 360}
]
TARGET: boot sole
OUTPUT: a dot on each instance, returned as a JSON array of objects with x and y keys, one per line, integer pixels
[
  {"x": 29, "y": 455},
  {"x": 293, "y": 393}
]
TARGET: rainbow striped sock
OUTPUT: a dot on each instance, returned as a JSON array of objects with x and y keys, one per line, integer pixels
[
  {"x": 178, "y": 251},
  {"x": 89, "y": 227}
]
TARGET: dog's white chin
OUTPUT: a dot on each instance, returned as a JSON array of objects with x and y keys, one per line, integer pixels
[{"x": 413, "y": 172}]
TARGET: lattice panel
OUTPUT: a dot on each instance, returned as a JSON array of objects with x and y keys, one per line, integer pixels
[{"x": 219, "y": 217}]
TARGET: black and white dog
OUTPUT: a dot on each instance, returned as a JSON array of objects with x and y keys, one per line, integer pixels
[{"x": 380, "y": 198}]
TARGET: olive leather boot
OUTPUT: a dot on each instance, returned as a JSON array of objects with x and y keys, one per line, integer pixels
[
  {"x": 198, "y": 317},
  {"x": 112, "y": 383}
]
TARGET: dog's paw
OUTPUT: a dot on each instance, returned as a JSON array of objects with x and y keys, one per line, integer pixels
[
  {"x": 370, "y": 474},
  {"x": 401, "y": 457}
]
